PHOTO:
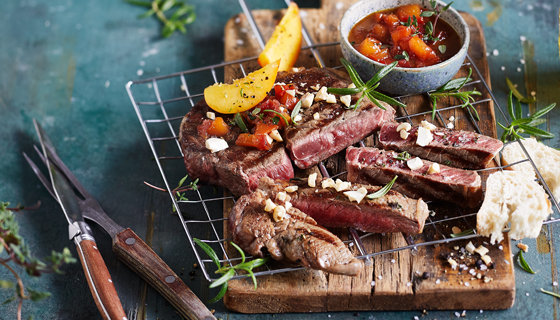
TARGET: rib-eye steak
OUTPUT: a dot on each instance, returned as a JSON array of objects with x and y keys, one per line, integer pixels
[
  {"x": 328, "y": 128},
  {"x": 461, "y": 149},
  {"x": 331, "y": 208},
  {"x": 295, "y": 238},
  {"x": 236, "y": 168},
  {"x": 375, "y": 166}
]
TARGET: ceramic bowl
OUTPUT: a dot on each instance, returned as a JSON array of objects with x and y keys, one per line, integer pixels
[{"x": 403, "y": 81}]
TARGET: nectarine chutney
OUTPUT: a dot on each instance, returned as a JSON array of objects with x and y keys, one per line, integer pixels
[{"x": 414, "y": 36}]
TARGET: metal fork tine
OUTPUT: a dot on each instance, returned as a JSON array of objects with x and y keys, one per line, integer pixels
[{"x": 40, "y": 175}]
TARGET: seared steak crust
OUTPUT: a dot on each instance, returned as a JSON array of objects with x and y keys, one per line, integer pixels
[
  {"x": 236, "y": 168},
  {"x": 297, "y": 238},
  {"x": 375, "y": 166},
  {"x": 338, "y": 127},
  {"x": 330, "y": 208},
  {"x": 461, "y": 149}
]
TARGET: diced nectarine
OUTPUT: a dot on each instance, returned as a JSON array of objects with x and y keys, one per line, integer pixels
[
  {"x": 391, "y": 19},
  {"x": 403, "y": 12},
  {"x": 380, "y": 32},
  {"x": 371, "y": 48},
  {"x": 401, "y": 33},
  {"x": 422, "y": 50}
]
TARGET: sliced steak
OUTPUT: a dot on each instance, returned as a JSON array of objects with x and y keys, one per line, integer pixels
[
  {"x": 338, "y": 127},
  {"x": 375, "y": 166},
  {"x": 461, "y": 149},
  {"x": 297, "y": 238},
  {"x": 330, "y": 208},
  {"x": 236, "y": 168}
]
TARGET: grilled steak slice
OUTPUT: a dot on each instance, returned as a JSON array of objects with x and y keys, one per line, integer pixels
[
  {"x": 461, "y": 149},
  {"x": 375, "y": 166},
  {"x": 297, "y": 238},
  {"x": 338, "y": 127},
  {"x": 330, "y": 208},
  {"x": 236, "y": 168}
]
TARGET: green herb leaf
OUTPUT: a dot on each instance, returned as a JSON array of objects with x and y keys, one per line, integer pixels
[
  {"x": 223, "y": 279},
  {"x": 536, "y": 132},
  {"x": 182, "y": 14},
  {"x": 383, "y": 191},
  {"x": 240, "y": 123},
  {"x": 344, "y": 91},
  {"x": 220, "y": 294},
  {"x": 442, "y": 48},
  {"x": 354, "y": 76},
  {"x": 518, "y": 110},
  {"x": 296, "y": 109},
  {"x": 525, "y": 125},
  {"x": 281, "y": 115},
  {"x": 447, "y": 6},
  {"x": 543, "y": 111},
  {"x": 209, "y": 251},
  {"x": 387, "y": 99},
  {"x": 523, "y": 264},
  {"x": 462, "y": 233},
  {"x": 38, "y": 295},
  {"x": 403, "y": 56},
  {"x": 427, "y": 13},
  {"x": 518, "y": 94},
  {"x": 403, "y": 156},
  {"x": 381, "y": 74},
  {"x": 554, "y": 294}
]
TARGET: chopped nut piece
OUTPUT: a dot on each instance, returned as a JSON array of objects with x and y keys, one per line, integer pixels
[
  {"x": 456, "y": 230},
  {"x": 470, "y": 247},
  {"x": 279, "y": 213},
  {"x": 456, "y": 247},
  {"x": 216, "y": 144},
  {"x": 281, "y": 196},
  {"x": 414, "y": 163},
  {"x": 453, "y": 263},
  {"x": 342, "y": 185},
  {"x": 404, "y": 126},
  {"x": 297, "y": 118},
  {"x": 487, "y": 279},
  {"x": 315, "y": 87},
  {"x": 328, "y": 183},
  {"x": 424, "y": 137},
  {"x": 269, "y": 205},
  {"x": 311, "y": 180},
  {"x": 291, "y": 189},
  {"x": 434, "y": 168},
  {"x": 269, "y": 139},
  {"x": 346, "y": 100},
  {"x": 523, "y": 247},
  {"x": 425, "y": 124},
  {"x": 321, "y": 94},
  {"x": 291, "y": 92},
  {"x": 351, "y": 86},
  {"x": 481, "y": 250},
  {"x": 316, "y": 116},
  {"x": 487, "y": 260},
  {"x": 274, "y": 134},
  {"x": 287, "y": 205},
  {"x": 404, "y": 134},
  {"x": 331, "y": 98},
  {"x": 355, "y": 195},
  {"x": 211, "y": 115},
  {"x": 307, "y": 100}
]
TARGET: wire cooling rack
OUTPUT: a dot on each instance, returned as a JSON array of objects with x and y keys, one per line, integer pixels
[{"x": 161, "y": 102}]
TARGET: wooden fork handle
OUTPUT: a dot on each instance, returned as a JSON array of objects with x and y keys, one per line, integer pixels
[
  {"x": 136, "y": 254},
  {"x": 99, "y": 281}
]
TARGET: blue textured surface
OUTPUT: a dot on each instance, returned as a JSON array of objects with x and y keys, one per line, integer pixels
[{"x": 66, "y": 62}]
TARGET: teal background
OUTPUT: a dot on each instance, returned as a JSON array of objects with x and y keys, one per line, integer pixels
[{"x": 66, "y": 63}]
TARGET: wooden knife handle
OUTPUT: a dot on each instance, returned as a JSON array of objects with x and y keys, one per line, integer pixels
[
  {"x": 100, "y": 282},
  {"x": 136, "y": 254}
]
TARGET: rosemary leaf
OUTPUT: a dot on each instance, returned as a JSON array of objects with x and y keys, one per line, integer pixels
[
  {"x": 223, "y": 279},
  {"x": 523, "y": 264},
  {"x": 554, "y": 294},
  {"x": 511, "y": 112},
  {"x": 383, "y": 191},
  {"x": 462, "y": 233},
  {"x": 354, "y": 76},
  {"x": 296, "y": 109},
  {"x": 536, "y": 132},
  {"x": 281, "y": 115},
  {"x": 518, "y": 94},
  {"x": 543, "y": 111},
  {"x": 240, "y": 123},
  {"x": 381, "y": 73},
  {"x": 220, "y": 294},
  {"x": 344, "y": 91},
  {"x": 209, "y": 251}
]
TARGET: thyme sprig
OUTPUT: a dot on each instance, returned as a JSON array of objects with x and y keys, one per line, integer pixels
[
  {"x": 14, "y": 249},
  {"x": 182, "y": 15},
  {"x": 430, "y": 29},
  {"x": 367, "y": 89},
  {"x": 383, "y": 191},
  {"x": 524, "y": 125},
  {"x": 523, "y": 264},
  {"x": 229, "y": 271},
  {"x": 451, "y": 89}
]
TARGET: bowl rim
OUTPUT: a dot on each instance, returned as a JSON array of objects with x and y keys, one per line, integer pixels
[{"x": 461, "y": 53}]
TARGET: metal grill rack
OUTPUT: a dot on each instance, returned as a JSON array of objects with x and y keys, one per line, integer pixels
[{"x": 160, "y": 103}]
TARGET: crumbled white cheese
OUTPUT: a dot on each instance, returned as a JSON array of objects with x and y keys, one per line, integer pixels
[
  {"x": 279, "y": 213},
  {"x": 470, "y": 247},
  {"x": 307, "y": 100},
  {"x": 291, "y": 92},
  {"x": 404, "y": 126},
  {"x": 291, "y": 189},
  {"x": 274, "y": 134},
  {"x": 322, "y": 94},
  {"x": 302, "y": 84},
  {"x": 427, "y": 125},
  {"x": 312, "y": 179},
  {"x": 434, "y": 168},
  {"x": 450, "y": 125},
  {"x": 269, "y": 139},
  {"x": 297, "y": 118},
  {"x": 216, "y": 144},
  {"x": 452, "y": 118},
  {"x": 453, "y": 263},
  {"x": 357, "y": 195},
  {"x": 424, "y": 137},
  {"x": 481, "y": 250},
  {"x": 269, "y": 205},
  {"x": 281, "y": 196},
  {"x": 351, "y": 86},
  {"x": 487, "y": 260},
  {"x": 414, "y": 163},
  {"x": 210, "y": 115},
  {"x": 331, "y": 98},
  {"x": 328, "y": 183},
  {"x": 342, "y": 185},
  {"x": 288, "y": 205},
  {"x": 404, "y": 134},
  {"x": 346, "y": 100},
  {"x": 316, "y": 116}
]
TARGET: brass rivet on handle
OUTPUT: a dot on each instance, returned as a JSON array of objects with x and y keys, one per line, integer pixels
[
  {"x": 130, "y": 241},
  {"x": 170, "y": 279}
]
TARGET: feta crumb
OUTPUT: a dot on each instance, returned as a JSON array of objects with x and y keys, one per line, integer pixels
[
  {"x": 351, "y": 86},
  {"x": 404, "y": 134},
  {"x": 302, "y": 84},
  {"x": 452, "y": 118},
  {"x": 450, "y": 125},
  {"x": 274, "y": 134},
  {"x": 281, "y": 196},
  {"x": 434, "y": 168},
  {"x": 331, "y": 98},
  {"x": 429, "y": 126},
  {"x": 307, "y": 100},
  {"x": 424, "y": 137},
  {"x": 315, "y": 87},
  {"x": 316, "y": 116},
  {"x": 311, "y": 180},
  {"x": 269, "y": 139},
  {"x": 346, "y": 100},
  {"x": 279, "y": 213},
  {"x": 328, "y": 183},
  {"x": 211, "y": 115},
  {"x": 297, "y": 118},
  {"x": 291, "y": 92},
  {"x": 357, "y": 196},
  {"x": 288, "y": 205},
  {"x": 414, "y": 163},
  {"x": 321, "y": 94},
  {"x": 486, "y": 259},
  {"x": 342, "y": 185},
  {"x": 291, "y": 189},
  {"x": 523, "y": 247},
  {"x": 481, "y": 250},
  {"x": 404, "y": 126},
  {"x": 269, "y": 205},
  {"x": 470, "y": 247},
  {"x": 216, "y": 144}
]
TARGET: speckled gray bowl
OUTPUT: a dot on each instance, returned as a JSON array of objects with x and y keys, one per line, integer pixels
[{"x": 403, "y": 81}]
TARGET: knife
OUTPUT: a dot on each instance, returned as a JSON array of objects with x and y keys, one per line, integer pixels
[{"x": 127, "y": 246}]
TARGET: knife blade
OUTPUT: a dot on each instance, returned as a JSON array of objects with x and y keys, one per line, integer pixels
[
  {"x": 97, "y": 275},
  {"x": 128, "y": 247}
]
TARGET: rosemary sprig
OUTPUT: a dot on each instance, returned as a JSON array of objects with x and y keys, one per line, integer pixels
[
  {"x": 451, "y": 89},
  {"x": 383, "y": 191},
  {"x": 462, "y": 233},
  {"x": 229, "y": 271},
  {"x": 523, "y": 264},
  {"x": 183, "y": 14},
  {"x": 368, "y": 88},
  {"x": 524, "y": 125},
  {"x": 554, "y": 294}
]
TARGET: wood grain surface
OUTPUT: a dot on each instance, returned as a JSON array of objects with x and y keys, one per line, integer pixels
[{"x": 403, "y": 280}]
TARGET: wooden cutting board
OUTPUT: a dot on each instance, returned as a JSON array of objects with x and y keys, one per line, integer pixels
[{"x": 404, "y": 280}]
